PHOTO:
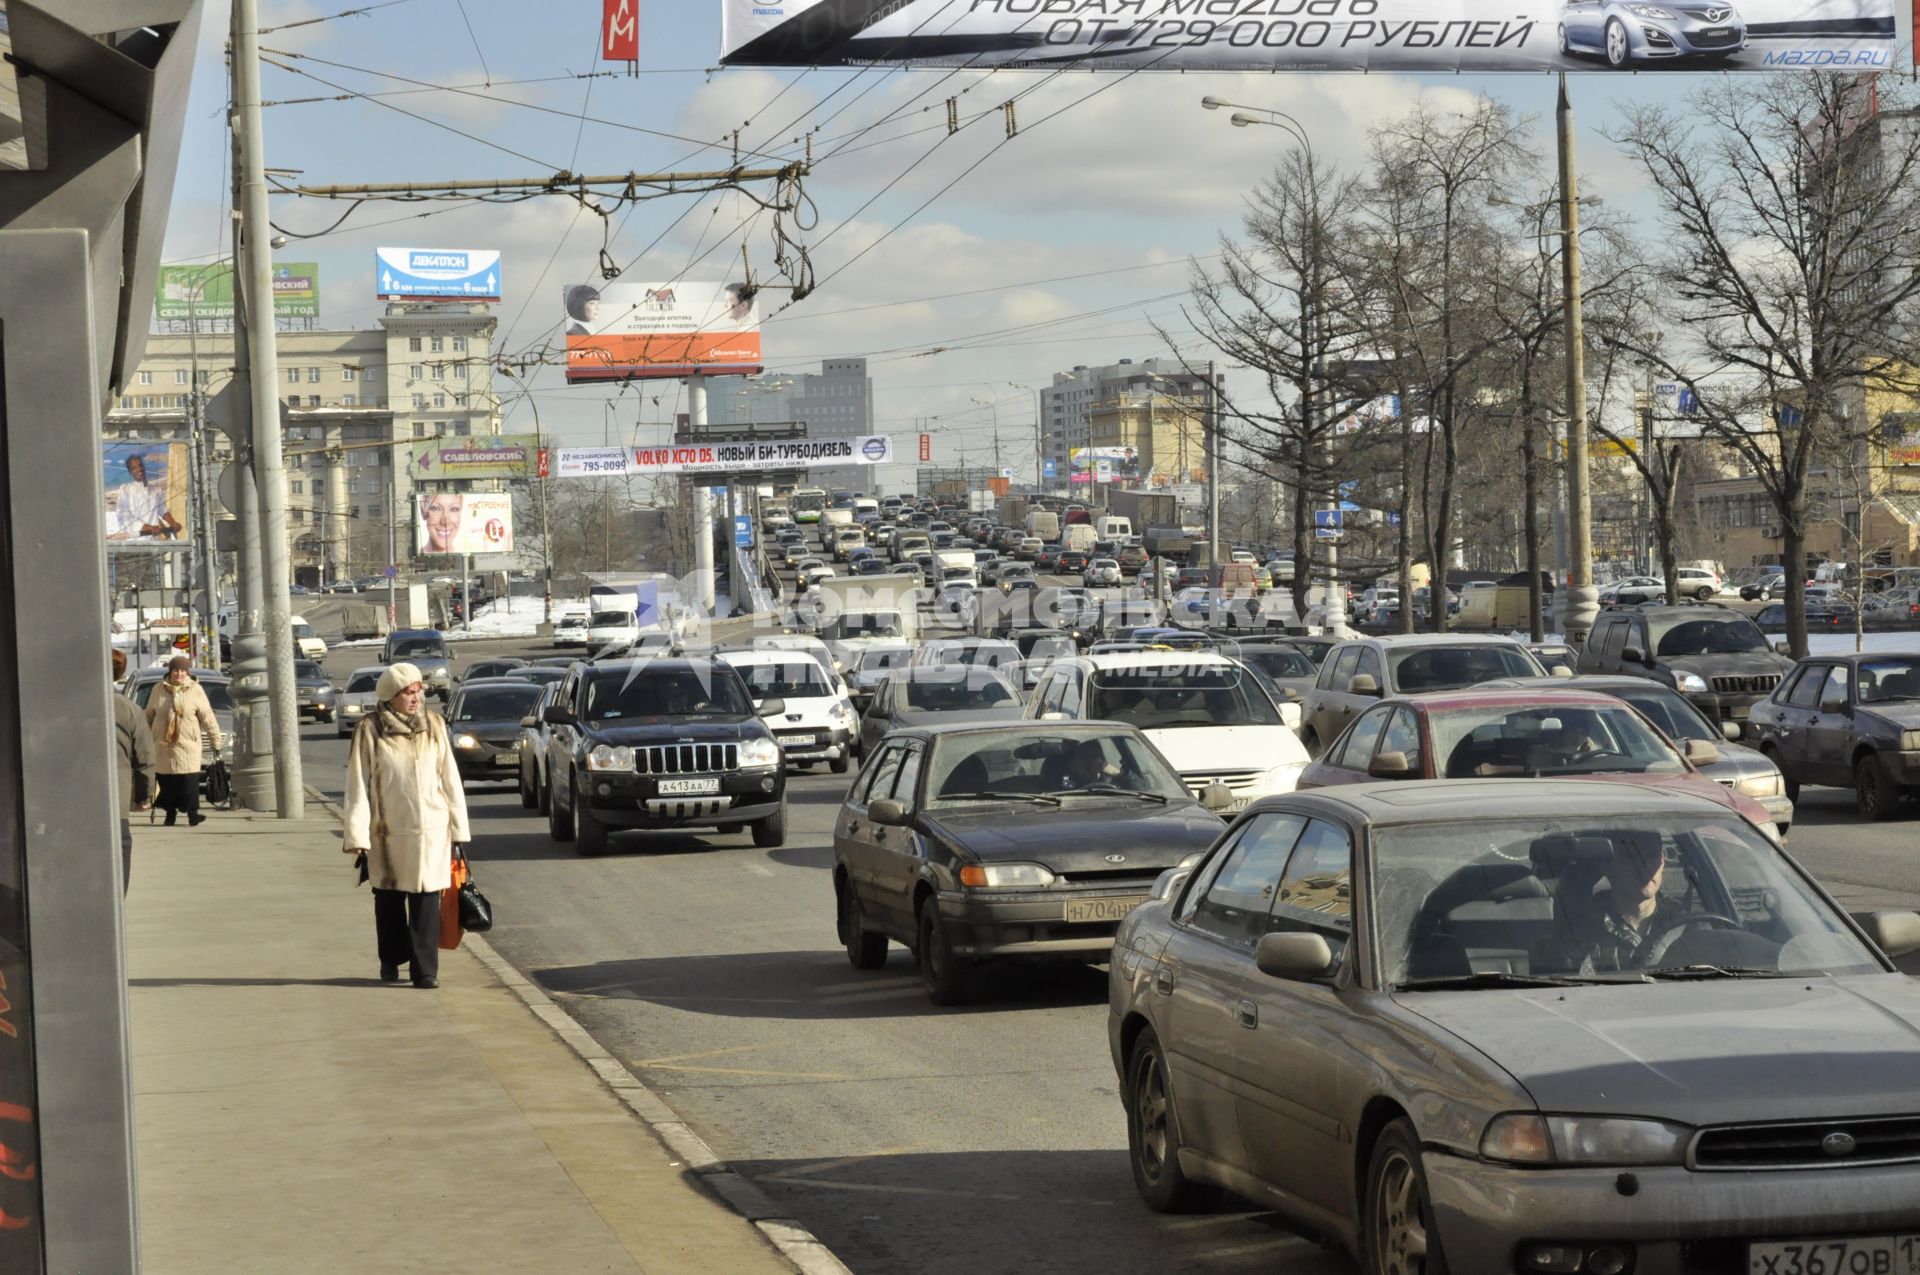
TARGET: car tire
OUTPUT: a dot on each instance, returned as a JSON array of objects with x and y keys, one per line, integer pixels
[
  {"x": 1153, "y": 1131},
  {"x": 947, "y": 978},
  {"x": 1397, "y": 1231},
  {"x": 1311, "y": 742},
  {"x": 559, "y": 824},
  {"x": 529, "y": 799},
  {"x": 589, "y": 834},
  {"x": 1790, "y": 785},
  {"x": 865, "y": 949},
  {"x": 1619, "y": 51},
  {"x": 771, "y": 833},
  {"x": 1877, "y": 799},
  {"x": 542, "y": 795},
  {"x": 1704, "y": 592},
  {"x": 1566, "y": 49},
  {"x": 841, "y": 764}
]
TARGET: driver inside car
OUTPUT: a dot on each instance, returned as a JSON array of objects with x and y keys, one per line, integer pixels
[{"x": 1612, "y": 925}]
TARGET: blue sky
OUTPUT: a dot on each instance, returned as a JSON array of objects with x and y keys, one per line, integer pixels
[{"x": 1123, "y": 186}]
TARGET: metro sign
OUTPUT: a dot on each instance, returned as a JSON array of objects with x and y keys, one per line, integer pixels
[{"x": 619, "y": 31}]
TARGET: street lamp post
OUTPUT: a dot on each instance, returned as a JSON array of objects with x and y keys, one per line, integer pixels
[
  {"x": 1582, "y": 604},
  {"x": 539, "y": 480}
]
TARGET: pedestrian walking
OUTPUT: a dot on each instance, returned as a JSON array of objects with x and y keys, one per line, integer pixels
[
  {"x": 405, "y": 811},
  {"x": 179, "y": 715},
  {"x": 135, "y": 760}
]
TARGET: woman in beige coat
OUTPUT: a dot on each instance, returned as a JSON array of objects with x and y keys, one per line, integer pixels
[
  {"x": 177, "y": 714},
  {"x": 405, "y": 811}
]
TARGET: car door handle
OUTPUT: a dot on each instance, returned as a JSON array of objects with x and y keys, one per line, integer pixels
[
  {"x": 853, "y": 826},
  {"x": 1249, "y": 1014},
  {"x": 1163, "y": 981}
]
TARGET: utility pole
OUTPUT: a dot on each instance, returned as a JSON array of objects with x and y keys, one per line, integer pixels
[
  {"x": 269, "y": 471},
  {"x": 702, "y": 505},
  {"x": 1583, "y": 602}
]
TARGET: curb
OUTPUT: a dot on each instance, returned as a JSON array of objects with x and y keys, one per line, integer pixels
[{"x": 793, "y": 1241}]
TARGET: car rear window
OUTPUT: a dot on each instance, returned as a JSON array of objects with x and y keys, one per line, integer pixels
[
  {"x": 496, "y": 703},
  {"x": 1447, "y": 668}
]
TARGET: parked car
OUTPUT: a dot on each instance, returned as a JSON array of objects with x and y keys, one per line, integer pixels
[
  {"x": 1632, "y": 592},
  {"x": 1829, "y": 617},
  {"x": 661, "y": 744},
  {"x": 306, "y": 641},
  {"x": 1363, "y": 670},
  {"x": 1713, "y": 655},
  {"x": 1768, "y": 587},
  {"x": 817, "y": 722},
  {"x": 427, "y": 651},
  {"x": 936, "y": 695},
  {"x": 1554, "y": 655},
  {"x": 356, "y": 698},
  {"x": 1408, "y": 1018},
  {"x": 313, "y": 691},
  {"x": 1286, "y": 671},
  {"x": 483, "y": 719},
  {"x": 1849, "y": 721},
  {"x": 941, "y": 845}
]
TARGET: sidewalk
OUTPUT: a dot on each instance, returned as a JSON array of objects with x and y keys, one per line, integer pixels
[{"x": 295, "y": 1114}]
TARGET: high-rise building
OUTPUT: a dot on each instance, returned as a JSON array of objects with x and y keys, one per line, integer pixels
[
  {"x": 1066, "y": 406},
  {"x": 835, "y": 402},
  {"x": 355, "y": 398}
]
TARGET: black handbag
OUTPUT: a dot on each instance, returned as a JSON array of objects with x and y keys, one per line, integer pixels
[
  {"x": 219, "y": 783},
  {"x": 476, "y": 914}
]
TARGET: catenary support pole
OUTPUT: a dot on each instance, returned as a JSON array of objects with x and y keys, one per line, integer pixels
[
  {"x": 702, "y": 503},
  {"x": 269, "y": 471},
  {"x": 1582, "y": 598}
]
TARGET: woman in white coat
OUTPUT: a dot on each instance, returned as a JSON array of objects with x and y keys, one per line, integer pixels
[{"x": 405, "y": 811}]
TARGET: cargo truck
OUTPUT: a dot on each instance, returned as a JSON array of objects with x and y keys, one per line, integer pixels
[
  {"x": 1013, "y": 511},
  {"x": 1145, "y": 508},
  {"x": 1043, "y": 524},
  {"x": 860, "y": 611},
  {"x": 1168, "y": 542}
]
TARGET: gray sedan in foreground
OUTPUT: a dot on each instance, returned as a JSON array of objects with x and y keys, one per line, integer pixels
[{"x": 1490, "y": 1027}]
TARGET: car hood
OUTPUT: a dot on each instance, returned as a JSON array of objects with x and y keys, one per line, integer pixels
[
  {"x": 672, "y": 730},
  {"x": 1739, "y": 664},
  {"x": 1699, "y": 1053},
  {"x": 1191, "y": 748},
  {"x": 1901, "y": 716},
  {"x": 927, "y": 717},
  {"x": 1081, "y": 834},
  {"x": 1738, "y": 762}
]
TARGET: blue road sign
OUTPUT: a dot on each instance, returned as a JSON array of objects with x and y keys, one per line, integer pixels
[
  {"x": 646, "y": 604},
  {"x": 742, "y": 531},
  {"x": 1049, "y": 468},
  {"x": 1326, "y": 523},
  {"x": 392, "y": 571}
]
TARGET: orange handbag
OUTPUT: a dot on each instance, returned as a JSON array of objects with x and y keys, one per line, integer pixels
[{"x": 450, "y": 930}]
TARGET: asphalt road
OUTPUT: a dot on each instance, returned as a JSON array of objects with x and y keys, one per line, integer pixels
[{"x": 908, "y": 1138}]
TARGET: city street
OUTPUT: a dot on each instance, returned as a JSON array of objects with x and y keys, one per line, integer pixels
[{"x": 906, "y": 1137}]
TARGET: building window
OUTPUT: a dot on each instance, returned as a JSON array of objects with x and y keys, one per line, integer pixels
[
  {"x": 348, "y": 400},
  {"x": 460, "y": 428},
  {"x": 349, "y": 373},
  {"x": 373, "y": 511},
  {"x": 179, "y": 376},
  {"x": 459, "y": 345},
  {"x": 202, "y": 377},
  {"x": 146, "y": 400},
  {"x": 313, "y": 376},
  {"x": 439, "y": 399},
  {"x": 146, "y": 378},
  {"x": 419, "y": 402},
  {"x": 419, "y": 429},
  {"x": 293, "y": 376},
  {"x": 414, "y": 373},
  {"x": 126, "y": 402},
  {"x": 439, "y": 429},
  {"x": 413, "y": 344},
  {"x": 460, "y": 371},
  {"x": 296, "y": 515},
  {"x": 459, "y": 400},
  {"x": 353, "y": 511},
  {"x": 436, "y": 345},
  {"x": 319, "y": 486},
  {"x": 298, "y": 487},
  {"x": 353, "y": 486},
  {"x": 439, "y": 371}
]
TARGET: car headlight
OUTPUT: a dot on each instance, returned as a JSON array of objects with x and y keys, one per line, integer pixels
[
  {"x": 1002, "y": 876},
  {"x": 1763, "y": 785},
  {"x": 1691, "y": 682},
  {"x": 610, "y": 757},
  {"x": 760, "y": 752},
  {"x": 1910, "y": 741},
  {"x": 1653, "y": 11},
  {"x": 353, "y": 710},
  {"x": 1282, "y": 778},
  {"x": 465, "y": 741},
  {"x": 1525, "y": 1138},
  {"x": 842, "y": 715},
  {"x": 438, "y": 675}
]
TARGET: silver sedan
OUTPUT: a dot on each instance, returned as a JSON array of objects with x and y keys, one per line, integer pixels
[{"x": 1495, "y": 1026}]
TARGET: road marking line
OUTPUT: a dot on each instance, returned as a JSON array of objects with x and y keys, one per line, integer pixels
[{"x": 758, "y": 869}]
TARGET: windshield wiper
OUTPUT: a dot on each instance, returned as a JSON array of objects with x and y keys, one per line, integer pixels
[
  {"x": 1683, "y": 972},
  {"x": 1109, "y": 790},
  {"x": 1037, "y": 797},
  {"x": 1503, "y": 978}
]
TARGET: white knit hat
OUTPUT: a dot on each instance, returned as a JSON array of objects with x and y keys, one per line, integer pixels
[{"x": 397, "y": 678}]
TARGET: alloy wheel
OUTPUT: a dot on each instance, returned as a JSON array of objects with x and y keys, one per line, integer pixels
[
  {"x": 1150, "y": 1111},
  {"x": 1616, "y": 44},
  {"x": 1400, "y": 1227}
]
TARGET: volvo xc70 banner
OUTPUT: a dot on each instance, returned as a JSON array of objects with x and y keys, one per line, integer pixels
[
  {"x": 1314, "y": 35},
  {"x": 723, "y": 458}
]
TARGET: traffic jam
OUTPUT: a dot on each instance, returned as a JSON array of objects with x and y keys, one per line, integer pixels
[{"x": 1455, "y": 951}]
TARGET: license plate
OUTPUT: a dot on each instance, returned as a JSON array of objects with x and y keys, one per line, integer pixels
[
  {"x": 689, "y": 787},
  {"x": 1873, "y": 1255},
  {"x": 506, "y": 760},
  {"x": 791, "y": 740},
  {"x": 1103, "y": 909},
  {"x": 1713, "y": 33}
]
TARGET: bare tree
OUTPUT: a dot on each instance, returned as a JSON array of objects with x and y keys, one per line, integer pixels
[{"x": 1791, "y": 265}]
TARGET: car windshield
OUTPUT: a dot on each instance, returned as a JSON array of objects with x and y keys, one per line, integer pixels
[
  {"x": 976, "y": 654},
  {"x": 219, "y": 695},
  {"x": 610, "y": 619},
  {"x": 301, "y": 629},
  {"x": 1044, "y": 646},
  {"x": 1668, "y": 709},
  {"x": 1449, "y": 668},
  {"x": 665, "y": 693},
  {"x": 956, "y": 694},
  {"x": 863, "y": 624},
  {"x": 495, "y": 703},
  {"x": 1550, "y": 739},
  {"x": 1476, "y": 903},
  {"x": 1707, "y": 635},
  {"x": 1032, "y": 760},
  {"x": 307, "y": 668},
  {"x": 406, "y": 648},
  {"x": 361, "y": 682},
  {"x": 1279, "y": 662},
  {"x": 1889, "y": 678},
  {"x": 1161, "y": 697},
  {"x": 875, "y": 659},
  {"x": 797, "y": 679}
]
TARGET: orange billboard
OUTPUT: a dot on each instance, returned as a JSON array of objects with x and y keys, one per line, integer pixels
[{"x": 650, "y": 331}]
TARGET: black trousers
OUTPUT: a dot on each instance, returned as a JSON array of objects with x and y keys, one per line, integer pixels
[
  {"x": 408, "y": 928},
  {"x": 179, "y": 794},
  {"x": 126, "y": 854}
]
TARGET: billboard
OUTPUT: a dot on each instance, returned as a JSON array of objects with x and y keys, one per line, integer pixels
[
  {"x": 146, "y": 491},
  {"x": 748, "y": 456},
  {"x": 436, "y": 274},
  {"x": 183, "y": 293},
  {"x": 494, "y": 456},
  {"x": 1103, "y": 465},
  {"x": 621, "y": 331},
  {"x": 1321, "y": 35},
  {"x": 463, "y": 522}
]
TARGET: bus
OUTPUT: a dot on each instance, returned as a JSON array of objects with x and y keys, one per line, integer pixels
[{"x": 806, "y": 503}]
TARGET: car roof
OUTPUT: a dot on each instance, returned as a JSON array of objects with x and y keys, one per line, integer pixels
[
  {"x": 1855, "y": 657},
  {"x": 1404, "y": 801},
  {"x": 485, "y": 683},
  {"x": 655, "y": 664},
  {"x": 415, "y": 633},
  {"x": 1434, "y": 639},
  {"x": 1122, "y": 660},
  {"x": 757, "y": 657},
  {"x": 1498, "y": 697},
  {"x": 1090, "y": 726}
]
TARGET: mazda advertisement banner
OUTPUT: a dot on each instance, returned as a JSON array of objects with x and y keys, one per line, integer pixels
[{"x": 1314, "y": 35}]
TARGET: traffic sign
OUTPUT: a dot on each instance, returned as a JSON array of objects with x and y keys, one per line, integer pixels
[
  {"x": 742, "y": 531},
  {"x": 391, "y": 571},
  {"x": 1326, "y": 523}
]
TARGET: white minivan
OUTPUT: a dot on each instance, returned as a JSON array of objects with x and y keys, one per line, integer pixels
[
  {"x": 817, "y": 721},
  {"x": 1209, "y": 717}
]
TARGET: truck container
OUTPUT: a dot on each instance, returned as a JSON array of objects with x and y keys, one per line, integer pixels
[
  {"x": 1167, "y": 542},
  {"x": 1043, "y": 524},
  {"x": 856, "y": 611},
  {"x": 1078, "y": 535},
  {"x": 1145, "y": 508},
  {"x": 1013, "y": 511}
]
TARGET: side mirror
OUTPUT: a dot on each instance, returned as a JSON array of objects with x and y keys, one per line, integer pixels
[
  {"x": 772, "y": 707},
  {"x": 1301, "y": 957},
  {"x": 1054, "y": 715},
  {"x": 1168, "y": 883},
  {"x": 1701, "y": 752},
  {"x": 1390, "y": 765},
  {"x": 1633, "y": 655},
  {"x": 1560, "y": 670},
  {"x": 1730, "y": 731},
  {"x": 1783, "y": 648},
  {"x": 1895, "y": 933},
  {"x": 529, "y": 721},
  {"x": 1217, "y": 797},
  {"x": 1362, "y": 684},
  {"x": 887, "y": 812},
  {"x": 557, "y": 715}
]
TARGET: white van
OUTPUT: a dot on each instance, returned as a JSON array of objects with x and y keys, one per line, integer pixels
[
  {"x": 1113, "y": 527},
  {"x": 306, "y": 641}
]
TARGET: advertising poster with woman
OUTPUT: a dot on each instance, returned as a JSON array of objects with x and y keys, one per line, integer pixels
[{"x": 463, "y": 522}]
